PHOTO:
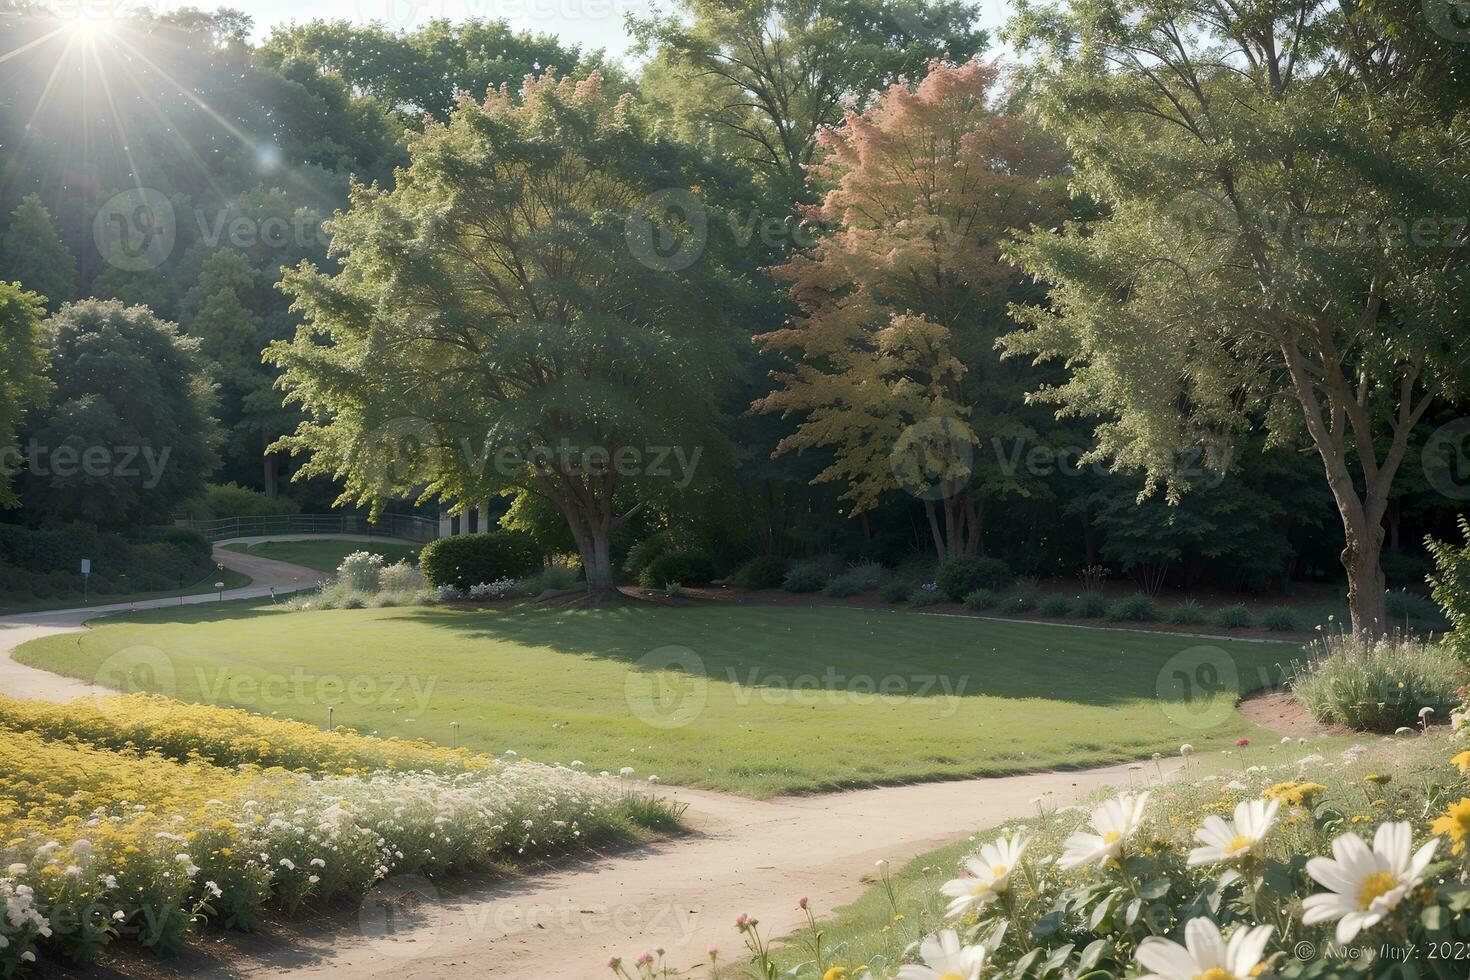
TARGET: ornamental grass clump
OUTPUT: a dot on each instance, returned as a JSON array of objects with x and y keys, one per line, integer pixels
[{"x": 1377, "y": 685}]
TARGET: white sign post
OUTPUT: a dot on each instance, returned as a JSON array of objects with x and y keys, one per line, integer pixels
[{"x": 86, "y": 578}]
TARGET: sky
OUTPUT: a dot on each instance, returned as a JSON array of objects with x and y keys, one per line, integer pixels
[{"x": 589, "y": 23}]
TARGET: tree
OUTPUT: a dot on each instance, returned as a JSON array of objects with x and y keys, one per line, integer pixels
[
  {"x": 775, "y": 72},
  {"x": 1287, "y": 188},
  {"x": 22, "y": 379},
  {"x": 502, "y": 322},
  {"x": 902, "y": 301},
  {"x": 32, "y": 253},
  {"x": 128, "y": 435}
]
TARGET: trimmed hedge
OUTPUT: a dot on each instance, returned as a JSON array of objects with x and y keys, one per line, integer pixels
[
  {"x": 762, "y": 572},
  {"x": 45, "y": 563},
  {"x": 464, "y": 560}
]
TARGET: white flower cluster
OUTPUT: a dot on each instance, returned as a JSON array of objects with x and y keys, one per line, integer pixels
[
  {"x": 21, "y": 924},
  {"x": 498, "y": 589}
]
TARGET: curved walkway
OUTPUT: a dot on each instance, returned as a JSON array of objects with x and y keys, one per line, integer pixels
[{"x": 20, "y": 681}]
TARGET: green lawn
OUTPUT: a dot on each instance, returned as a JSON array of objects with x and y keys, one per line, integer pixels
[
  {"x": 232, "y": 580},
  {"x": 756, "y": 699},
  {"x": 325, "y": 554}
]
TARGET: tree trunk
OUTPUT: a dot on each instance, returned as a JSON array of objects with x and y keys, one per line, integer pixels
[
  {"x": 596, "y": 552},
  {"x": 1367, "y": 599},
  {"x": 269, "y": 475}
]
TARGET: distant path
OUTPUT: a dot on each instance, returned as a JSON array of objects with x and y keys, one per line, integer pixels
[{"x": 20, "y": 681}]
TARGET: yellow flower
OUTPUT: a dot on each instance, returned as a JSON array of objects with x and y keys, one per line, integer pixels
[
  {"x": 836, "y": 973},
  {"x": 1455, "y": 823},
  {"x": 1463, "y": 761}
]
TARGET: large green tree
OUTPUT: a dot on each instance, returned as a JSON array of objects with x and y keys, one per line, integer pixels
[
  {"x": 128, "y": 435},
  {"x": 1286, "y": 187},
  {"x": 773, "y": 73},
  {"x": 33, "y": 254},
  {"x": 506, "y": 321},
  {"x": 22, "y": 380}
]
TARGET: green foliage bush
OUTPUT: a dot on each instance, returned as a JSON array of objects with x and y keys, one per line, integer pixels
[
  {"x": 1236, "y": 617},
  {"x": 806, "y": 576},
  {"x": 1056, "y": 606},
  {"x": 1450, "y": 586},
  {"x": 762, "y": 572},
  {"x": 958, "y": 577},
  {"x": 233, "y": 500},
  {"x": 642, "y": 554},
  {"x": 1409, "y": 609},
  {"x": 45, "y": 564},
  {"x": 895, "y": 590},
  {"x": 1377, "y": 685},
  {"x": 1185, "y": 613},
  {"x": 1023, "y": 598},
  {"x": 1137, "y": 608},
  {"x": 841, "y": 587},
  {"x": 470, "y": 559},
  {"x": 1282, "y": 619},
  {"x": 980, "y": 599},
  {"x": 922, "y": 596},
  {"x": 1090, "y": 605},
  {"x": 687, "y": 567},
  {"x": 552, "y": 578}
]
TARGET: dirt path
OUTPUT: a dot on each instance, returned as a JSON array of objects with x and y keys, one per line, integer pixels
[
  {"x": 753, "y": 856},
  {"x": 20, "y": 681}
]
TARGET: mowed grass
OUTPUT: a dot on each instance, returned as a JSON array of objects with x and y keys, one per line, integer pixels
[
  {"x": 759, "y": 700},
  {"x": 326, "y": 554}
]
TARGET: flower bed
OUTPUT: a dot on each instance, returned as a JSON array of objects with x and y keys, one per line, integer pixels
[
  {"x": 1323, "y": 866},
  {"x": 126, "y": 831}
]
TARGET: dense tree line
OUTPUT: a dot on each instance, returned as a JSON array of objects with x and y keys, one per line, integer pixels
[{"x": 838, "y": 282}]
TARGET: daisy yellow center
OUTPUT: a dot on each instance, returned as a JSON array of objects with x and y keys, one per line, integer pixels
[
  {"x": 999, "y": 871},
  {"x": 981, "y": 888},
  {"x": 1215, "y": 973},
  {"x": 1240, "y": 843},
  {"x": 1111, "y": 837},
  {"x": 950, "y": 976},
  {"x": 1374, "y": 887}
]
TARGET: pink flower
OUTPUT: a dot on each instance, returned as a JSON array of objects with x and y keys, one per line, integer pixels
[
  {"x": 801, "y": 903},
  {"x": 1242, "y": 742}
]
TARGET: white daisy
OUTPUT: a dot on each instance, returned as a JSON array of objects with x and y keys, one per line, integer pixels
[
  {"x": 1366, "y": 885},
  {"x": 1115, "y": 821},
  {"x": 990, "y": 875},
  {"x": 945, "y": 959},
  {"x": 1205, "y": 953},
  {"x": 1226, "y": 840}
]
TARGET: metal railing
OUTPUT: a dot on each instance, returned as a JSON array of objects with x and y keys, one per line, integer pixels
[{"x": 402, "y": 526}]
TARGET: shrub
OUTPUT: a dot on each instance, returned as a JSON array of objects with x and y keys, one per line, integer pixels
[
  {"x": 1137, "y": 608},
  {"x": 866, "y": 575},
  {"x": 233, "y": 500},
  {"x": 360, "y": 571},
  {"x": 1090, "y": 605},
  {"x": 928, "y": 594},
  {"x": 894, "y": 590},
  {"x": 642, "y": 554},
  {"x": 1185, "y": 613},
  {"x": 686, "y": 567},
  {"x": 958, "y": 577},
  {"x": 1236, "y": 617},
  {"x": 552, "y": 578},
  {"x": 398, "y": 577},
  {"x": 1282, "y": 619},
  {"x": 841, "y": 587},
  {"x": 1409, "y": 608},
  {"x": 498, "y": 589},
  {"x": 805, "y": 576},
  {"x": 464, "y": 560},
  {"x": 762, "y": 572},
  {"x": 980, "y": 599},
  {"x": 1022, "y": 598},
  {"x": 1056, "y": 605},
  {"x": 1378, "y": 685}
]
